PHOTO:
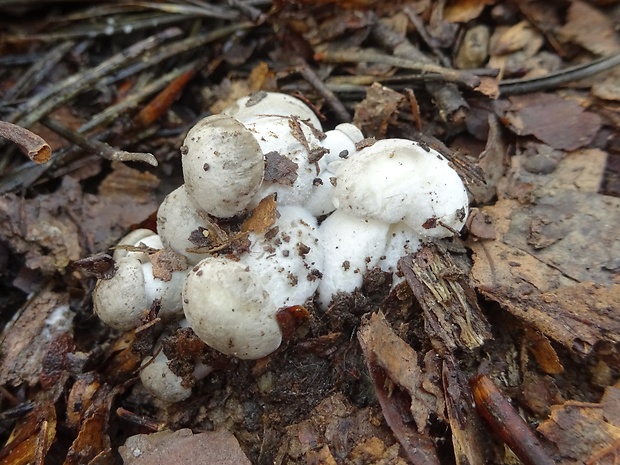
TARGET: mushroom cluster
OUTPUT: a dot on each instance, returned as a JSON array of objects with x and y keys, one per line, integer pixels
[{"x": 340, "y": 211}]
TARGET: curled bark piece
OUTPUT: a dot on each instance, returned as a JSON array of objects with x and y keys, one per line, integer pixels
[{"x": 31, "y": 144}]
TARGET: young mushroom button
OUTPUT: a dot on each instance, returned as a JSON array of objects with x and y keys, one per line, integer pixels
[
  {"x": 223, "y": 165},
  {"x": 160, "y": 381},
  {"x": 120, "y": 301},
  {"x": 229, "y": 309},
  {"x": 177, "y": 219}
]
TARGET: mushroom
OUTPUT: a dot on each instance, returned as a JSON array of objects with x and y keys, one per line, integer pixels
[
  {"x": 223, "y": 165},
  {"x": 177, "y": 219},
  {"x": 228, "y": 307},
  {"x": 121, "y": 301},
  {"x": 388, "y": 198},
  {"x": 287, "y": 258},
  {"x": 135, "y": 238},
  {"x": 159, "y": 380},
  {"x": 401, "y": 240},
  {"x": 162, "y": 382},
  {"x": 263, "y": 103},
  {"x": 351, "y": 246},
  {"x": 398, "y": 180},
  {"x": 292, "y": 150},
  {"x": 340, "y": 144}
]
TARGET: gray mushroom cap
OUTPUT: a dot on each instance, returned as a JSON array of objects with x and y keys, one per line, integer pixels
[
  {"x": 177, "y": 219},
  {"x": 120, "y": 301},
  {"x": 159, "y": 380},
  {"x": 223, "y": 165},
  {"x": 229, "y": 309}
]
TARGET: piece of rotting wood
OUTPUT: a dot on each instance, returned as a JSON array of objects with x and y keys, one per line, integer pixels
[
  {"x": 452, "y": 318},
  {"x": 469, "y": 437}
]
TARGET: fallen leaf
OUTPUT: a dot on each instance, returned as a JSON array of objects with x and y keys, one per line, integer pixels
[
  {"x": 544, "y": 353},
  {"x": 560, "y": 123},
  {"x": 463, "y": 11},
  {"x": 92, "y": 440},
  {"x": 165, "y": 262},
  {"x": 521, "y": 36},
  {"x": 493, "y": 161},
  {"x": 391, "y": 361},
  {"x": 280, "y": 169},
  {"x": 573, "y": 232},
  {"x": 32, "y": 437},
  {"x": 42, "y": 229},
  {"x": 400, "y": 363},
  {"x": 263, "y": 216},
  {"x": 589, "y": 27},
  {"x": 608, "y": 89},
  {"x": 374, "y": 113},
  {"x": 582, "y": 432},
  {"x": 583, "y": 317}
]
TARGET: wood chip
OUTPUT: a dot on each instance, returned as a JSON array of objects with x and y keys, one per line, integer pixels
[{"x": 452, "y": 317}]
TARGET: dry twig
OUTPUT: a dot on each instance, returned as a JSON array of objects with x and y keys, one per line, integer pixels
[{"x": 32, "y": 145}]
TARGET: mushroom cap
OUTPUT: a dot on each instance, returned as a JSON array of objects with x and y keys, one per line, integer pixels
[
  {"x": 340, "y": 142},
  {"x": 134, "y": 238},
  {"x": 263, "y": 103},
  {"x": 284, "y": 140},
  {"x": 351, "y": 246},
  {"x": 223, "y": 165},
  {"x": 177, "y": 219},
  {"x": 160, "y": 381},
  {"x": 398, "y": 180},
  {"x": 229, "y": 309},
  {"x": 169, "y": 292},
  {"x": 288, "y": 257},
  {"x": 121, "y": 300},
  {"x": 341, "y": 145}
]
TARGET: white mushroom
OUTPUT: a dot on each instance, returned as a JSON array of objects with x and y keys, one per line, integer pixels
[
  {"x": 351, "y": 246},
  {"x": 159, "y": 380},
  {"x": 292, "y": 151},
  {"x": 223, "y": 165},
  {"x": 169, "y": 292},
  {"x": 121, "y": 301},
  {"x": 340, "y": 144},
  {"x": 177, "y": 219},
  {"x": 287, "y": 259},
  {"x": 134, "y": 238},
  {"x": 263, "y": 103},
  {"x": 398, "y": 180},
  {"x": 401, "y": 240},
  {"x": 229, "y": 309},
  {"x": 389, "y": 197}
]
